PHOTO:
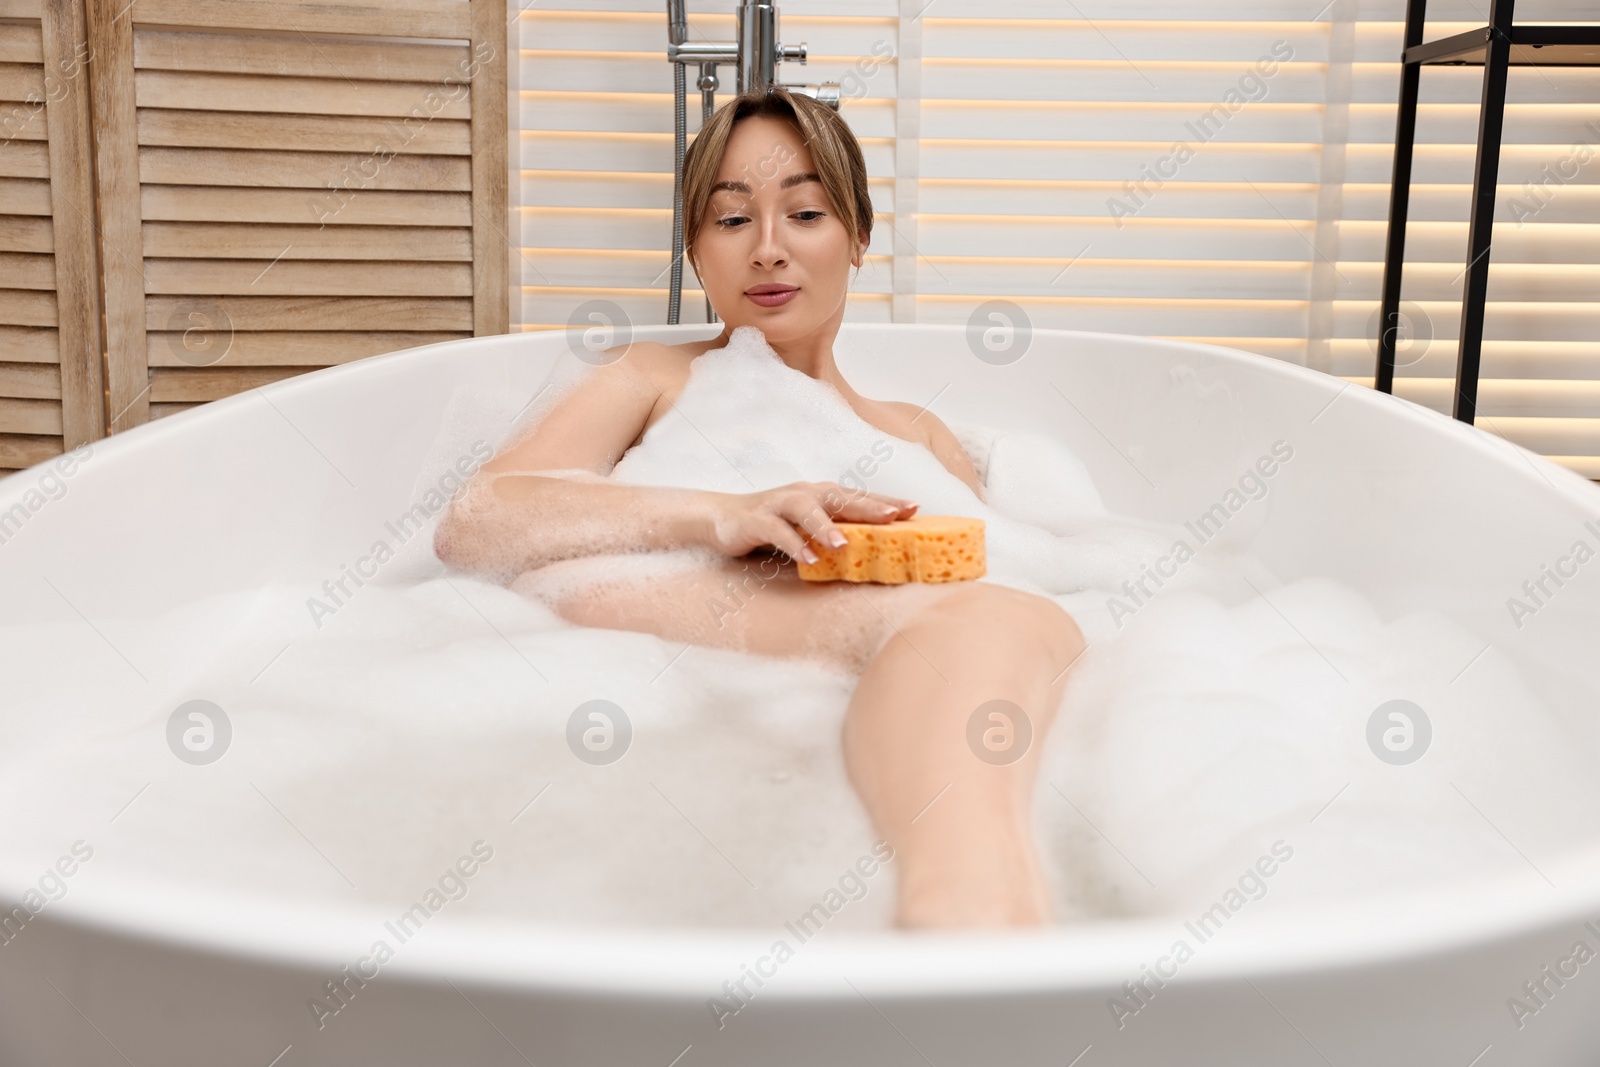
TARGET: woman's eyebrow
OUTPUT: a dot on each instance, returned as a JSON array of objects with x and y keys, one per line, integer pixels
[{"x": 736, "y": 186}]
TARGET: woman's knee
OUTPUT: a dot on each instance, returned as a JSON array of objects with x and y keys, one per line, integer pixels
[{"x": 1025, "y": 619}]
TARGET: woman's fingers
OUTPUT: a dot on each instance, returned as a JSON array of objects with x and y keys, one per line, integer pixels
[
  {"x": 813, "y": 506},
  {"x": 872, "y": 508},
  {"x": 808, "y": 511},
  {"x": 784, "y": 537}
]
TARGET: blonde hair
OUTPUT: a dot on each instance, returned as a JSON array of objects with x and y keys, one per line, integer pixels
[{"x": 832, "y": 144}]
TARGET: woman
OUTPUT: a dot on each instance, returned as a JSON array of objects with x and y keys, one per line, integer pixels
[{"x": 776, "y": 209}]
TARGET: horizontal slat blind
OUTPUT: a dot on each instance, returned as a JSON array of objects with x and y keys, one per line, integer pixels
[
  {"x": 596, "y": 148},
  {"x": 1217, "y": 173},
  {"x": 1540, "y": 380}
]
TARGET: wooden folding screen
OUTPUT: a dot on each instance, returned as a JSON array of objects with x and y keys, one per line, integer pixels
[
  {"x": 50, "y": 369},
  {"x": 286, "y": 185}
]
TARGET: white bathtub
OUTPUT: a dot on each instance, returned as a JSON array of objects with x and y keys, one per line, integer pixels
[{"x": 1407, "y": 506}]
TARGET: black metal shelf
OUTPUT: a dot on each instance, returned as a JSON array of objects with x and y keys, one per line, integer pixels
[
  {"x": 1496, "y": 47},
  {"x": 1531, "y": 46}
]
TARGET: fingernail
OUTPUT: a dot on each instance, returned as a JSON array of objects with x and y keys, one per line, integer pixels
[
  {"x": 810, "y": 556},
  {"x": 837, "y": 539}
]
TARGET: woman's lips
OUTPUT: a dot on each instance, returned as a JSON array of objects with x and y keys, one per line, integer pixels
[{"x": 772, "y": 300}]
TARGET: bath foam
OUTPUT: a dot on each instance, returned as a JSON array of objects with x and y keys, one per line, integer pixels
[
  {"x": 745, "y": 421},
  {"x": 426, "y": 717},
  {"x": 432, "y": 712},
  {"x": 923, "y": 548}
]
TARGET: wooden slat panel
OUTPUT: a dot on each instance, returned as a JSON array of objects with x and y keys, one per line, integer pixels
[
  {"x": 169, "y": 384},
  {"x": 371, "y": 207},
  {"x": 349, "y": 173},
  {"x": 305, "y": 96},
  {"x": 21, "y": 81},
  {"x": 20, "y": 451},
  {"x": 321, "y": 133},
  {"x": 25, "y": 233},
  {"x": 23, "y": 307},
  {"x": 18, "y": 270},
  {"x": 64, "y": 40},
  {"x": 205, "y": 240},
  {"x": 29, "y": 344},
  {"x": 30, "y": 416},
  {"x": 491, "y": 239},
  {"x": 323, "y": 313},
  {"x": 117, "y": 173},
  {"x": 160, "y": 411},
  {"x": 22, "y": 122},
  {"x": 25, "y": 196},
  {"x": 20, "y": 44},
  {"x": 417, "y": 18},
  {"x": 358, "y": 60},
  {"x": 25, "y": 159},
  {"x": 304, "y": 278},
  {"x": 296, "y": 348},
  {"x": 20, "y": 9},
  {"x": 37, "y": 381}
]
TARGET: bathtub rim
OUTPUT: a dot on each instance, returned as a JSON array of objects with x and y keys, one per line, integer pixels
[
  {"x": 1572, "y": 486},
  {"x": 671, "y": 964},
  {"x": 968, "y": 963}
]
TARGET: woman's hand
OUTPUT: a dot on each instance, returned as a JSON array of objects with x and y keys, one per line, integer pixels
[{"x": 783, "y": 517}]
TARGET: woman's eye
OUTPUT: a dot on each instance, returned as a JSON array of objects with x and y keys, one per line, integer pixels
[{"x": 729, "y": 222}]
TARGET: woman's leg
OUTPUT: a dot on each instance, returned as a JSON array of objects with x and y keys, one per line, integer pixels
[
  {"x": 753, "y": 604},
  {"x": 956, "y": 812},
  {"x": 942, "y": 742}
]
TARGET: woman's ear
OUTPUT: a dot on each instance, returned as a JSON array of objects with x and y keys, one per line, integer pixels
[{"x": 859, "y": 253}]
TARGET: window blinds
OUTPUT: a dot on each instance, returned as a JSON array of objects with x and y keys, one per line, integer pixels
[{"x": 1218, "y": 175}]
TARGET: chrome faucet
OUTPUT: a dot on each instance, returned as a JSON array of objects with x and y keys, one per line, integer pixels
[{"x": 755, "y": 56}]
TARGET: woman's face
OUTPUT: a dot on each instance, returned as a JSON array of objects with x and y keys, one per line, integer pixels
[{"x": 767, "y": 224}]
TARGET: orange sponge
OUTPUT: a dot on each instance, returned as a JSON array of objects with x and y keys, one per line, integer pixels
[{"x": 923, "y": 548}]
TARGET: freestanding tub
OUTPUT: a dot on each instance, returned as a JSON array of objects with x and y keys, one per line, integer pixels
[{"x": 1407, "y": 506}]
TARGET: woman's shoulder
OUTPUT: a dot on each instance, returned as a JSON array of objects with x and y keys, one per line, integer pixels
[
  {"x": 656, "y": 367},
  {"x": 655, "y": 356},
  {"x": 910, "y": 422}
]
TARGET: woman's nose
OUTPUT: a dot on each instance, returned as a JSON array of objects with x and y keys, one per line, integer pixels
[{"x": 769, "y": 251}]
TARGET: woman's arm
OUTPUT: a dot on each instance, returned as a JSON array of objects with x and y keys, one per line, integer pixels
[{"x": 546, "y": 497}]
